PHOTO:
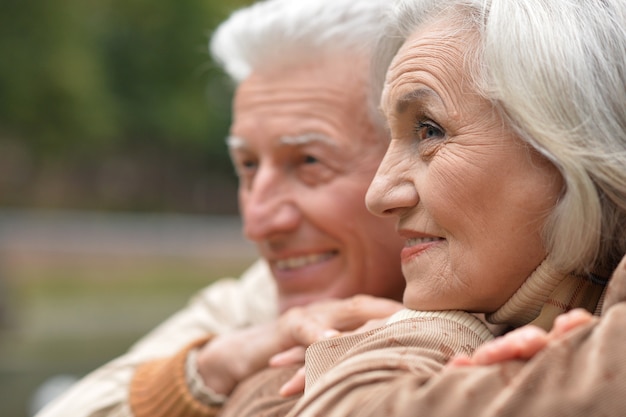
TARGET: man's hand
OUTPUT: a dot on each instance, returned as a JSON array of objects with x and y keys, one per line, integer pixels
[
  {"x": 296, "y": 355},
  {"x": 228, "y": 359}
]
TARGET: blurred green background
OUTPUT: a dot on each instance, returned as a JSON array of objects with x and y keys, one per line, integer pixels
[
  {"x": 117, "y": 198},
  {"x": 113, "y": 104}
]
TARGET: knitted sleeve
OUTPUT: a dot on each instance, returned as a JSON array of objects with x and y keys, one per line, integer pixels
[
  {"x": 159, "y": 389},
  {"x": 351, "y": 375}
]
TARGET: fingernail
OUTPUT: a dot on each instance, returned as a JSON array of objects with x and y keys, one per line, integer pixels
[
  {"x": 530, "y": 332},
  {"x": 329, "y": 334}
]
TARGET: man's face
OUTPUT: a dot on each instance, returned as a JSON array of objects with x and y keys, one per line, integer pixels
[{"x": 305, "y": 151}]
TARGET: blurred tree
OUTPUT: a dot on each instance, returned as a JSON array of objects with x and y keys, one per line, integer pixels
[
  {"x": 52, "y": 81},
  {"x": 113, "y": 104}
]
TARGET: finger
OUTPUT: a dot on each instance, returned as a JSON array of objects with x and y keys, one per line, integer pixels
[
  {"x": 522, "y": 343},
  {"x": 323, "y": 320},
  {"x": 360, "y": 309},
  {"x": 295, "y": 385},
  {"x": 309, "y": 332},
  {"x": 528, "y": 341},
  {"x": 459, "y": 361},
  {"x": 304, "y": 326},
  {"x": 567, "y": 322},
  {"x": 288, "y": 357},
  {"x": 372, "y": 324}
]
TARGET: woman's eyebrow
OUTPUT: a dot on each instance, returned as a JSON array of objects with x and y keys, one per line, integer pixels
[{"x": 418, "y": 94}]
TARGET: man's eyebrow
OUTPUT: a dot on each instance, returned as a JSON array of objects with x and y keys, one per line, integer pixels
[
  {"x": 236, "y": 142},
  {"x": 402, "y": 104},
  {"x": 307, "y": 138}
]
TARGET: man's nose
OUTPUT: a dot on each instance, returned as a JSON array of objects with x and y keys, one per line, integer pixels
[{"x": 269, "y": 206}]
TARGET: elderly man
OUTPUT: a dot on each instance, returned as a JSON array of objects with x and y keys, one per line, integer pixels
[{"x": 306, "y": 142}]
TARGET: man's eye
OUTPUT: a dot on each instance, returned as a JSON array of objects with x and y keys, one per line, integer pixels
[
  {"x": 428, "y": 130},
  {"x": 246, "y": 168},
  {"x": 309, "y": 159},
  {"x": 248, "y": 164}
]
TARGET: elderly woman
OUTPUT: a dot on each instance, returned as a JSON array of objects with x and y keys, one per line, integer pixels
[{"x": 506, "y": 175}]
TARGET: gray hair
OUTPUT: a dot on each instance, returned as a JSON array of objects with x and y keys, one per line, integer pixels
[
  {"x": 276, "y": 34},
  {"x": 556, "y": 69}
]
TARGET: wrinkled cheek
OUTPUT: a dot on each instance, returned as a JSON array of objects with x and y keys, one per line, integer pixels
[{"x": 447, "y": 198}]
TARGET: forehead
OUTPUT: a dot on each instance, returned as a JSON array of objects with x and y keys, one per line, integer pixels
[
  {"x": 327, "y": 98},
  {"x": 431, "y": 66}
]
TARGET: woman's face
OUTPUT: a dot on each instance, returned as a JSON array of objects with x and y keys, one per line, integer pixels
[{"x": 470, "y": 198}]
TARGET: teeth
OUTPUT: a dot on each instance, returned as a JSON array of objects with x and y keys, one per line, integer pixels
[
  {"x": 417, "y": 241},
  {"x": 300, "y": 261}
]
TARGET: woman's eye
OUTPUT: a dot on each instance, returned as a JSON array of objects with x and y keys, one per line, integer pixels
[{"x": 428, "y": 130}]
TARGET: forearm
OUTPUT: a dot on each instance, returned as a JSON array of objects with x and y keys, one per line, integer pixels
[
  {"x": 225, "y": 305},
  {"x": 161, "y": 388},
  {"x": 104, "y": 392},
  {"x": 157, "y": 387},
  {"x": 584, "y": 374},
  {"x": 355, "y": 381}
]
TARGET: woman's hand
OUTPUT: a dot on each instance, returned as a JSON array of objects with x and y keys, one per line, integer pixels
[{"x": 524, "y": 342}]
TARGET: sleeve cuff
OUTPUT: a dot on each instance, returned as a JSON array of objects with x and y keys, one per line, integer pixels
[
  {"x": 196, "y": 385},
  {"x": 159, "y": 388}
]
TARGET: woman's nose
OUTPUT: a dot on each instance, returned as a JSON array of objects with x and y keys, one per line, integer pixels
[{"x": 392, "y": 190}]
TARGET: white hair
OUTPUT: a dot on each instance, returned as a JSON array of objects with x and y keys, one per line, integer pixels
[
  {"x": 273, "y": 34},
  {"x": 556, "y": 69}
]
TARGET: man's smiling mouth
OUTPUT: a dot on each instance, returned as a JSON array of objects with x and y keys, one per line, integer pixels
[{"x": 300, "y": 261}]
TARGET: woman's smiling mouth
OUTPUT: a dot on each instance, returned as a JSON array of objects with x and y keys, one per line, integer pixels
[
  {"x": 421, "y": 240},
  {"x": 414, "y": 246}
]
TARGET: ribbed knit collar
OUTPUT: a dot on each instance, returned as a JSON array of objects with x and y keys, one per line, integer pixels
[
  {"x": 546, "y": 294},
  {"x": 541, "y": 298},
  {"x": 462, "y": 317}
]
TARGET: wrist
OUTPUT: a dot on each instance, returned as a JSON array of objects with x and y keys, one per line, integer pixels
[
  {"x": 195, "y": 382},
  {"x": 213, "y": 368}
]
